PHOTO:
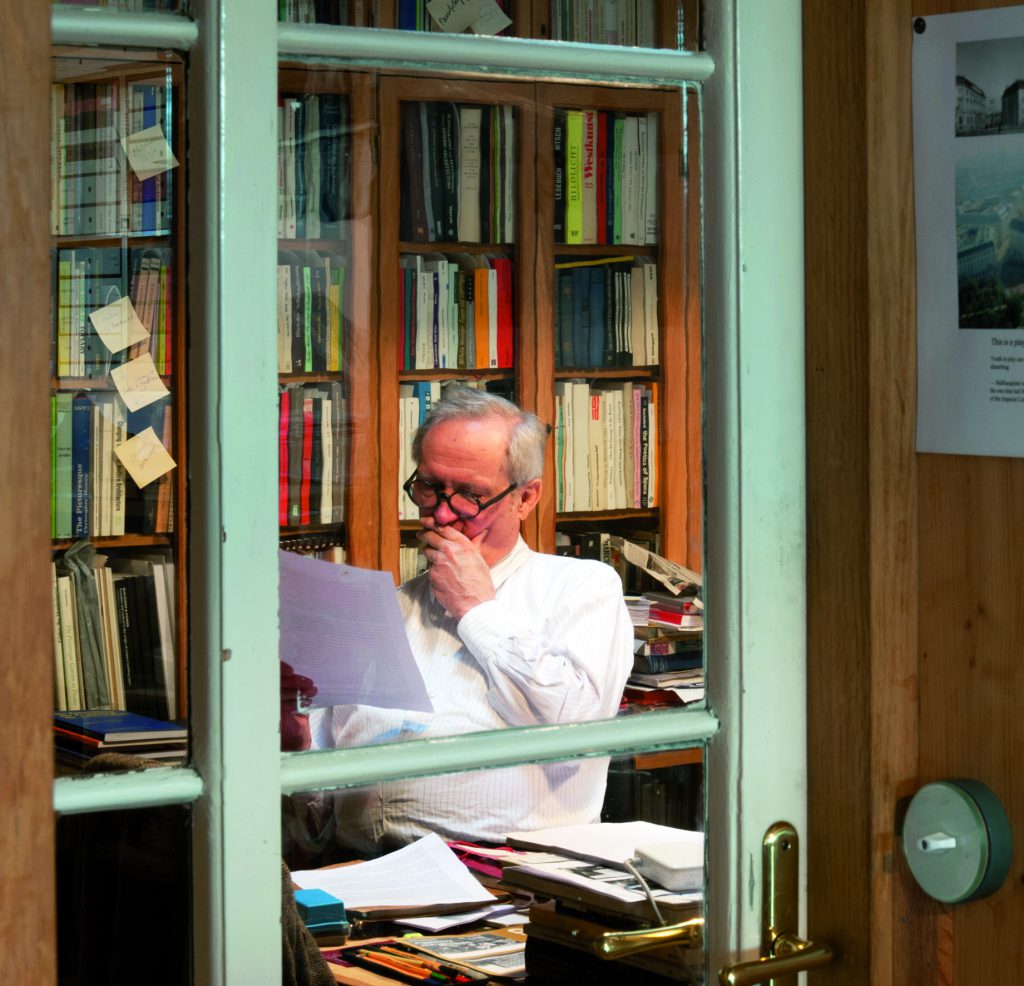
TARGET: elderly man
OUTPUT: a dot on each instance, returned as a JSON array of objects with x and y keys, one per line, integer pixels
[{"x": 503, "y": 636}]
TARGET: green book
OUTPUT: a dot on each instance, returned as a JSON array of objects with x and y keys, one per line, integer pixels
[{"x": 61, "y": 494}]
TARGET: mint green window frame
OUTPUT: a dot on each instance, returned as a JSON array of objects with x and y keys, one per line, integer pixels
[{"x": 234, "y": 46}]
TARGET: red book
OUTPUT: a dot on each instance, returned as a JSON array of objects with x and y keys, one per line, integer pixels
[
  {"x": 601, "y": 180},
  {"x": 307, "y": 459},
  {"x": 506, "y": 330},
  {"x": 282, "y": 453}
]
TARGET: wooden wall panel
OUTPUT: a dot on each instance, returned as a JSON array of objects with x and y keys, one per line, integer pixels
[
  {"x": 916, "y": 562},
  {"x": 27, "y": 938}
]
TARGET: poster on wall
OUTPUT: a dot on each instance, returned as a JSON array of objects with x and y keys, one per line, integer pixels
[{"x": 968, "y": 100}]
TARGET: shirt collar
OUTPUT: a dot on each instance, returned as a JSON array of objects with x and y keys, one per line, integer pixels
[{"x": 512, "y": 562}]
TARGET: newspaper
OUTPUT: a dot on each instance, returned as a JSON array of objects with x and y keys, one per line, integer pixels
[{"x": 672, "y": 576}]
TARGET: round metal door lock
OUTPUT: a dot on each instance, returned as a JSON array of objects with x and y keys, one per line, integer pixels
[{"x": 956, "y": 840}]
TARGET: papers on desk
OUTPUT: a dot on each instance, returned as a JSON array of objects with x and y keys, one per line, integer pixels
[
  {"x": 595, "y": 877},
  {"x": 607, "y": 842},
  {"x": 425, "y": 876},
  {"x": 341, "y": 627}
]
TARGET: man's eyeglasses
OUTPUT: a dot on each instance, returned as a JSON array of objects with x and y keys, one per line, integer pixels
[{"x": 461, "y": 503}]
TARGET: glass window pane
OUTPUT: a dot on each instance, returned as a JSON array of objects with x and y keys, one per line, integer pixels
[
  {"x": 550, "y": 882},
  {"x": 124, "y": 897},
  {"x": 118, "y": 518},
  {"x": 557, "y": 271}
]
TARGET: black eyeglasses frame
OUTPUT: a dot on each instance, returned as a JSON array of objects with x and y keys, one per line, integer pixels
[{"x": 441, "y": 496}]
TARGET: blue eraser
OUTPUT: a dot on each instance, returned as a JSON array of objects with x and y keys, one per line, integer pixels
[{"x": 317, "y": 908}]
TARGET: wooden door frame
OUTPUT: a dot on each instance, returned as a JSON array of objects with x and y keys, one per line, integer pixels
[
  {"x": 27, "y": 901},
  {"x": 861, "y": 477}
]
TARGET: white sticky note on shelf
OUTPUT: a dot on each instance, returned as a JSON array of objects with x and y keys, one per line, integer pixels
[
  {"x": 118, "y": 325},
  {"x": 148, "y": 152},
  {"x": 454, "y": 16},
  {"x": 145, "y": 458},
  {"x": 138, "y": 382}
]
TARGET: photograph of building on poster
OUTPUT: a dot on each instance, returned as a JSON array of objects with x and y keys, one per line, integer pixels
[{"x": 990, "y": 183}]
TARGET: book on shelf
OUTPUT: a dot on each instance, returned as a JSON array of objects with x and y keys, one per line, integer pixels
[
  {"x": 114, "y": 727},
  {"x": 470, "y": 171},
  {"x": 606, "y": 312},
  {"x": 313, "y": 442},
  {"x": 312, "y": 166},
  {"x": 648, "y": 660},
  {"x": 606, "y": 174},
  {"x": 604, "y": 446}
]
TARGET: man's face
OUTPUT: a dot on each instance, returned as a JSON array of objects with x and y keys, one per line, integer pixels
[{"x": 470, "y": 456}]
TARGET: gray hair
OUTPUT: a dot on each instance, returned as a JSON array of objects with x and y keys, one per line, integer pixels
[{"x": 524, "y": 457}]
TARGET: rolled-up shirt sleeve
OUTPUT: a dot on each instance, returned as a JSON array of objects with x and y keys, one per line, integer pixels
[{"x": 561, "y": 652}]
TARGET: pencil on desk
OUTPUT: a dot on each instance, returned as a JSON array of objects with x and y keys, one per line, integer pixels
[{"x": 375, "y": 958}]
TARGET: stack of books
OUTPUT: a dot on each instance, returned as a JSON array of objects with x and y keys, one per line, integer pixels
[
  {"x": 668, "y": 650},
  {"x": 81, "y": 735}
]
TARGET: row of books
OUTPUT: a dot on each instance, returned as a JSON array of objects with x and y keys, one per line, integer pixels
[
  {"x": 606, "y": 177},
  {"x": 607, "y": 312},
  {"x": 313, "y": 157},
  {"x": 313, "y": 431},
  {"x": 456, "y": 312},
  {"x": 114, "y": 631},
  {"x": 94, "y": 191},
  {"x": 457, "y": 173},
  {"x": 611, "y": 22},
  {"x": 81, "y": 734},
  {"x": 90, "y": 278},
  {"x": 133, "y": 6},
  {"x": 605, "y": 445},
  {"x": 91, "y": 493},
  {"x": 310, "y": 307},
  {"x": 323, "y": 12}
]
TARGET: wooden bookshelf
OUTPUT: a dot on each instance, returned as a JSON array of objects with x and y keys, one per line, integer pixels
[
  {"x": 119, "y": 225},
  {"x": 373, "y": 533},
  {"x": 357, "y": 373}
]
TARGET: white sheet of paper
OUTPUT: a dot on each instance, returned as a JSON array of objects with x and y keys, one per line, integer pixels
[
  {"x": 145, "y": 458},
  {"x": 424, "y": 873},
  {"x": 148, "y": 152},
  {"x": 138, "y": 382},
  {"x": 442, "y": 922},
  {"x": 118, "y": 325},
  {"x": 341, "y": 627},
  {"x": 970, "y": 364}
]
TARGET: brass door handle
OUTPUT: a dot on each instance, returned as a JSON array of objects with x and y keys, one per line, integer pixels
[
  {"x": 616, "y": 944},
  {"x": 791, "y": 955},
  {"x": 783, "y": 952}
]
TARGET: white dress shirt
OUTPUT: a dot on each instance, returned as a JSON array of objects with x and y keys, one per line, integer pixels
[{"x": 555, "y": 645}]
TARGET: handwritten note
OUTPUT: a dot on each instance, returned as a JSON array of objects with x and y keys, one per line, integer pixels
[
  {"x": 148, "y": 152},
  {"x": 480, "y": 16},
  {"x": 138, "y": 382},
  {"x": 118, "y": 325},
  {"x": 145, "y": 458}
]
